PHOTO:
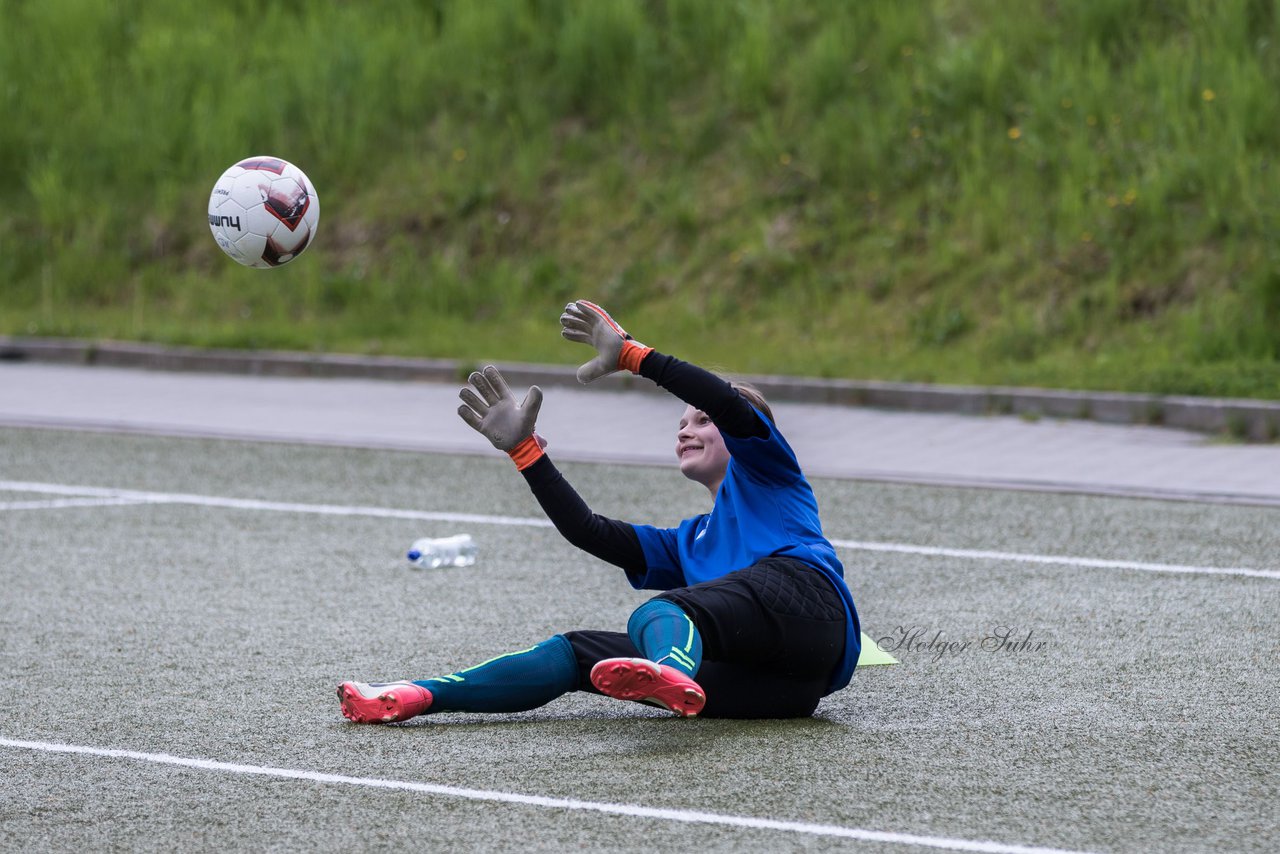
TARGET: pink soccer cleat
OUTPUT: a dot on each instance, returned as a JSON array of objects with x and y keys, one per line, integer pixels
[
  {"x": 382, "y": 702},
  {"x": 646, "y": 682}
]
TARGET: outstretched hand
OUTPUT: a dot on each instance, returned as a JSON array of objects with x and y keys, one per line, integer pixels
[
  {"x": 588, "y": 323},
  {"x": 489, "y": 407}
]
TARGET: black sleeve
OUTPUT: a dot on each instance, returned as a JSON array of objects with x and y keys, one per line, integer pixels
[
  {"x": 701, "y": 389},
  {"x": 608, "y": 539}
]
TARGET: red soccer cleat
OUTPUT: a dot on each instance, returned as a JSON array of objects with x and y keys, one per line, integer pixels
[
  {"x": 646, "y": 682},
  {"x": 382, "y": 702}
]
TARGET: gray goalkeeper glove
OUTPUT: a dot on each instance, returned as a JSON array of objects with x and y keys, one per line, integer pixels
[
  {"x": 588, "y": 323},
  {"x": 492, "y": 411}
]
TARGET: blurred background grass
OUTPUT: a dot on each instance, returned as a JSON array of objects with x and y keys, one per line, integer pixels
[{"x": 1019, "y": 192}]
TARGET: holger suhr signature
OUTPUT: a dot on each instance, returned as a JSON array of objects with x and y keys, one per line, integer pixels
[{"x": 922, "y": 639}]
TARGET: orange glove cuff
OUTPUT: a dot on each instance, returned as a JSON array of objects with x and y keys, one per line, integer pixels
[
  {"x": 632, "y": 355},
  {"x": 526, "y": 453}
]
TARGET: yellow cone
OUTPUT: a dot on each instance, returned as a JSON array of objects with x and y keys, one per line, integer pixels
[{"x": 873, "y": 654}]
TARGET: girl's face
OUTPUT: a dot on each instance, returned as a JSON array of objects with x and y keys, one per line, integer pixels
[{"x": 700, "y": 449}]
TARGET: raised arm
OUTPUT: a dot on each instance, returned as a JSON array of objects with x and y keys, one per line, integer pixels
[
  {"x": 616, "y": 350},
  {"x": 610, "y": 540},
  {"x": 489, "y": 407}
]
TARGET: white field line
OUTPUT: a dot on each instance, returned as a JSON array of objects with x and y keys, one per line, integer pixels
[
  {"x": 57, "y": 503},
  {"x": 1063, "y": 560},
  {"x": 631, "y": 810},
  {"x": 136, "y": 496},
  {"x": 142, "y": 497}
]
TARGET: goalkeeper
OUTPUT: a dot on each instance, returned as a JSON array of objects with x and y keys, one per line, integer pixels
[{"x": 755, "y": 620}]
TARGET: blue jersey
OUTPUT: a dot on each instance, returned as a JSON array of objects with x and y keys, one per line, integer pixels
[{"x": 764, "y": 507}]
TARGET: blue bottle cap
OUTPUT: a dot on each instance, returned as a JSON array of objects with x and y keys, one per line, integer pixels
[{"x": 414, "y": 554}]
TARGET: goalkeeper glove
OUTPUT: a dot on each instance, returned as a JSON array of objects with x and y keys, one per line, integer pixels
[
  {"x": 489, "y": 407},
  {"x": 588, "y": 323}
]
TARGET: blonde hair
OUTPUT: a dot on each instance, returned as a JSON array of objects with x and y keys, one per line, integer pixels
[{"x": 755, "y": 397}]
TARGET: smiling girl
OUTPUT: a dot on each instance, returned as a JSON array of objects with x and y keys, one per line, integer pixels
[{"x": 755, "y": 620}]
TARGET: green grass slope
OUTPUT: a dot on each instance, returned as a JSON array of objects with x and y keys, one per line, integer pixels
[{"x": 1036, "y": 193}]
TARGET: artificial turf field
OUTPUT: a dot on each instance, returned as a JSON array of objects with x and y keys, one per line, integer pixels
[{"x": 176, "y": 614}]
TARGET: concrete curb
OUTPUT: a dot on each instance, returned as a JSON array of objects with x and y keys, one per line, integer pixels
[{"x": 1256, "y": 420}]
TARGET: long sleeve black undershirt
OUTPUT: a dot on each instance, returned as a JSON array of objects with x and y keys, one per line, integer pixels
[
  {"x": 698, "y": 387},
  {"x": 608, "y": 539},
  {"x": 614, "y": 541}
]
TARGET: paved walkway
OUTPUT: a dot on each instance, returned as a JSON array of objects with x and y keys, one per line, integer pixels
[{"x": 631, "y": 427}]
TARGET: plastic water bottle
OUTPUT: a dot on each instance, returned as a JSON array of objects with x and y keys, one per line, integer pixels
[{"x": 428, "y": 553}]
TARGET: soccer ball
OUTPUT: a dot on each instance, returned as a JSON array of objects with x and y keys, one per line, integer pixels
[{"x": 263, "y": 212}]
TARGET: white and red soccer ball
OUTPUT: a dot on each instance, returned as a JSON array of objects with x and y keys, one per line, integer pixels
[{"x": 263, "y": 212}]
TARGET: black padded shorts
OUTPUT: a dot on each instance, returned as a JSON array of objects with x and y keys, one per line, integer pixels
[{"x": 771, "y": 636}]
